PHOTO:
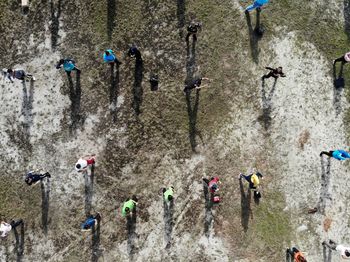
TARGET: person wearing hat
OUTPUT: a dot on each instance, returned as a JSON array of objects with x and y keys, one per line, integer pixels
[
  {"x": 84, "y": 162},
  {"x": 256, "y": 4},
  {"x": 168, "y": 194},
  {"x": 34, "y": 178},
  {"x": 128, "y": 207},
  {"x": 68, "y": 65},
  {"x": 337, "y": 154},
  {"x": 344, "y": 251}
]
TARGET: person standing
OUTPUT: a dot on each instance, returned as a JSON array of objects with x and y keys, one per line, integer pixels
[
  {"x": 134, "y": 53},
  {"x": 68, "y": 65},
  {"x": 343, "y": 251},
  {"x": 257, "y": 4},
  {"x": 84, "y": 162},
  {"x": 168, "y": 194},
  {"x": 5, "y": 228},
  {"x": 192, "y": 29},
  {"x": 34, "y": 178},
  {"x": 337, "y": 154},
  {"x": 253, "y": 179},
  {"x": 128, "y": 207},
  {"x": 343, "y": 59},
  {"x": 275, "y": 73},
  {"x": 19, "y": 74},
  {"x": 109, "y": 57},
  {"x": 295, "y": 254},
  {"x": 90, "y": 222}
]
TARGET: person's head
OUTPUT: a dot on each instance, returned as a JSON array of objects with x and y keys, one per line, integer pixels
[
  {"x": 10, "y": 71},
  {"x": 127, "y": 210},
  {"x": 78, "y": 166},
  {"x": 170, "y": 198},
  {"x": 61, "y": 61},
  {"x": 347, "y": 253},
  {"x": 279, "y": 69},
  {"x": 107, "y": 52}
]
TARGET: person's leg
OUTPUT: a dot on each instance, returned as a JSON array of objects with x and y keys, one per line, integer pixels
[
  {"x": 268, "y": 75},
  {"x": 340, "y": 59},
  {"x": 326, "y": 153},
  {"x": 252, "y": 7},
  {"x": 188, "y": 36},
  {"x": 14, "y": 223},
  {"x": 330, "y": 245},
  {"x": 195, "y": 37}
]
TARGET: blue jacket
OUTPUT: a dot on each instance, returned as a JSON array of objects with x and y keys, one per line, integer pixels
[
  {"x": 109, "y": 58},
  {"x": 88, "y": 223},
  {"x": 340, "y": 154}
]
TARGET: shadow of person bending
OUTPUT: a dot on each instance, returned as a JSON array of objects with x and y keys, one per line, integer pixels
[
  {"x": 208, "y": 218},
  {"x": 75, "y": 97},
  {"x": 96, "y": 251},
  {"x": 111, "y": 16},
  {"x": 55, "y": 22},
  {"x": 339, "y": 84},
  {"x": 19, "y": 245},
  {"x": 89, "y": 188},
  {"x": 45, "y": 202},
  {"x": 325, "y": 184},
  {"x": 254, "y": 35},
  {"x": 137, "y": 88},
  {"x": 265, "y": 118},
  {"x": 168, "y": 221},
  {"x": 245, "y": 206},
  {"x": 114, "y": 90}
]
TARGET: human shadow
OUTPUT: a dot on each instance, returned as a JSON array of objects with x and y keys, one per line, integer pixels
[
  {"x": 327, "y": 257},
  {"x": 180, "y": 14},
  {"x": 168, "y": 221},
  {"x": 347, "y": 18},
  {"x": 255, "y": 34},
  {"x": 89, "y": 188},
  {"x": 55, "y": 22},
  {"x": 114, "y": 90},
  {"x": 265, "y": 118},
  {"x": 131, "y": 229},
  {"x": 75, "y": 98},
  {"x": 45, "y": 202},
  {"x": 208, "y": 218},
  {"x": 111, "y": 16},
  {"x": 96, "y": 251},
  {"x": 325, "y": 183},
  {"x": 137, "y": 87},
  {"x": 246, "y": 211},
  {"x": 339, "y": 84},
  {"x": 27, "y": 108},
  {"x": 19, "y": 245},
  {"x": 190, "y": 61}
]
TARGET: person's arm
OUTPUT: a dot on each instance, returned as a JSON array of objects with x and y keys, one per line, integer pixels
[
  {"x": 269, "y": 68},
  {"x": 283, "y": 74},
  {"x": 134, "y": 202},
  {"x": 259, "y": 174},
  {"x": 10, "y": 77}
]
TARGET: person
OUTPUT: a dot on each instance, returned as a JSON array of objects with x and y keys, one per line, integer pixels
[
  {"x": 253, "y": 179},
  {"x": 19, "y": 74},
  {"x": 344, "y": 251},
  {"x": 154, "y": 80},
  {"x": 256, "y": 5},
  {"x": 68, "y": 65},
  {"x": 337, "y": 154},
  {"x": 343, "y": 59},
  {"x": 275, "y": 73},
  {"x": 90, "y": 222},
  {"x": 192, "y": 29},
  {"x": 296, "y": 254},
  {"x": 134, "y": 52},
  {"x": 168, "y": 194},
  {"x": 213, "y": 184},
  {"x": 84, "y": 162},
  {"x": 34, "y": 178},
  {"x": 128, "y": 207},
  {"x": 195, "y": 84},
  {"x": 5, "y": 228},
  {"x": 109, "y": 57}
]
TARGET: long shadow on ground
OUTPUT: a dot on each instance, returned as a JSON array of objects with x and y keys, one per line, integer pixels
[
  {"x": 327, "y": 257},
  {"x": 89, "y": 188},
  {"x": 19, "y": 246},
  {"x": 96, "y": 252},
  {"x": 254, "y": 37},
  {"x": 208, "y": 218},
  {"x": 75, "y": 97},
  {"x": 111, "y": 16},
  {"x": 114, "y": 90},
  {"x": 45, "y": 202},
  {"x": 265, "y": 118},
  {"x": 27, "y": 108},
  {"x": 168, "y": 221},
  {"x": 325, "y": 182},
  {"x": 137, "y": 88},
  {"x": 180, "y": 14},
  {"x": 55, "y": 22},
  {"x": 131, "y": 229},
  {"x": 246, "y": 211},
  {"x": 339, "y": 84}
]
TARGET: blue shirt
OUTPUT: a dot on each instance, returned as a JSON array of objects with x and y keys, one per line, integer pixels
[
  {"x": 88, "y": 223},
  {"x": 340, "y": 154},
  {"x": 68, "y": 65},
  {"x": 109, "y": 58}
]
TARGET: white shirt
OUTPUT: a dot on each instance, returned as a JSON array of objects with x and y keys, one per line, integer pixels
[
  {"x": 5, "y": 229},
  {"x": 83, "y": 164},
  {"x": 341, "y": 249}
]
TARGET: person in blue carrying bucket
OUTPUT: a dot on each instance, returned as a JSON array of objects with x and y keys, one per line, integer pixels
[
  {"x": 337, "y": 154},
  {"x": 257, "y": 4},
  {"x": 109, "y": 57},
  {"x": 68, "y": 65}
]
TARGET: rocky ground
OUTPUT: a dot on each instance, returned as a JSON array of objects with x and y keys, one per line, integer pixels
[{"x": 145, "y": 140}]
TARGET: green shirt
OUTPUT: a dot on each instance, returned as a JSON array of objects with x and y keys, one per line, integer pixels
[
  {"x": 168, "y": 192},
  {"x": 130, "y": 204}
]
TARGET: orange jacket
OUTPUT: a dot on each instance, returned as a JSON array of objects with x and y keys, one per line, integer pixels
[{"x": 299, "y": 257}]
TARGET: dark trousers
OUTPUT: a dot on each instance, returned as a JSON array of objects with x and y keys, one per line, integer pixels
[
  {"x": 340, "y": 59},
  {"x": 270, "y": 74},
  {"x": 330, "y": 153},
  {"x": 14, "y": 223},
  {"x": 189, "y": 34}
]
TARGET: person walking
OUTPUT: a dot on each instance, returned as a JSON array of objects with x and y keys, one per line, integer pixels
[
  {"x": 295, "y": 254},
  {"x": 84, "y": 162},
  {"x": 5, "y": 228},
  {"x": 275, "y": 73},
  {"x": 256, "y": 5},
  {"x": 109, "y": 57},
  {"x": 195, "y": 84},
  {"x": 128, "y": 207},
  {"x": 168, "y": 194},
  {"x": 34, "y": 178},
  {"x": 343, "y": 59},
  {"x": 337, "y": 154},
  {"x": 253, "y": 179},
  {"x": 343, "y": 251},
  {"x": 90, "y": 222},
  {"x": 68, "y": 65},
  {"x": 192, "y": 29},
  {"x": 19, "y": 74}
]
